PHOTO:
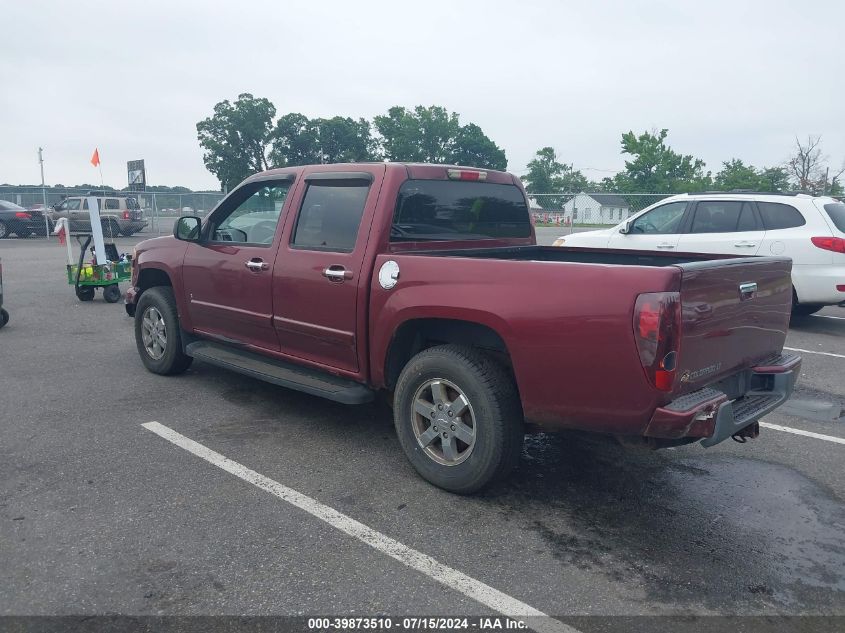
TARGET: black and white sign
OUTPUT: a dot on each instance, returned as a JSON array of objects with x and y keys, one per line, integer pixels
[{"x": 137, "y": 175}]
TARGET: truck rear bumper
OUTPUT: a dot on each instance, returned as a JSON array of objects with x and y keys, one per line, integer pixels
[{"x": 709, "y": 414}]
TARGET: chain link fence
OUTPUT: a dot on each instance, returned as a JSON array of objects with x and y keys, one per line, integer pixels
[
  {"x": 589, "y": 209},
  {"x": 160, "y": 208}
]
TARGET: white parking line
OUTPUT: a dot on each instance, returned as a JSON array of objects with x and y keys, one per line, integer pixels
[
  {"x": 818, "y": 436},
  {"x": 453, "y": 579},
  {"x": 828, "y": 316},
  {"x": 809, "y": 351}
]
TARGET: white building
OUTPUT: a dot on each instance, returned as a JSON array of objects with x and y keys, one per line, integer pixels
[{"x": 596, "y": 208}]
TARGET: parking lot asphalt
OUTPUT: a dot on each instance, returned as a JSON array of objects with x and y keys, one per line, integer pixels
[{"x": 100, "y": 515}]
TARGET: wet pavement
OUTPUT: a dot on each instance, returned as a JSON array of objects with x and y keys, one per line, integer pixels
[{"x": 98, "y": 515}]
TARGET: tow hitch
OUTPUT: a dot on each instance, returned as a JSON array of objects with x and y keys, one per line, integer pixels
[{"x": 749, "y": 432}]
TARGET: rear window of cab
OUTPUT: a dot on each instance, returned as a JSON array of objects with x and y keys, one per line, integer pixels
[{"x": 459, "y": 210}]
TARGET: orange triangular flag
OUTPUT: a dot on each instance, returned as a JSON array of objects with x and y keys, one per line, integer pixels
[{"x": 95, "y": 159}]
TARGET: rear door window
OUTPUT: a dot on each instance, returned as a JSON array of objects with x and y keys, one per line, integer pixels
[
  {"x": 836, "y": 212},
  {"x": 714, "y": 216},
  {"x": 780, "y": 216},
  {"x": 459, "y": 210},
  {"x": 331, "y": 215}
]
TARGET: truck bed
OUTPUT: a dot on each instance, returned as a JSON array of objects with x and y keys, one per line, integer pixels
[{"x": 567, "y": 319}]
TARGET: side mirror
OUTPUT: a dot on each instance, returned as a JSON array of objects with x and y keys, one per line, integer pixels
[
  {"x": 187, "y": 228},
  {"x": 626, "y": 228}
]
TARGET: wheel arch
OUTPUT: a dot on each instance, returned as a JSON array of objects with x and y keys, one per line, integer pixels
[
  {"x": 149, "y": 277},
  {"x": 417, "y": 334}
]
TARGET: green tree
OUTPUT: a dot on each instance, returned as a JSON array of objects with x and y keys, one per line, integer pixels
[
  {"x": 295, "y": 141},
  {"x": 474, "y": 149},
  {"x": 298, "y": 140},
  {"x": 774, "y": 179},
  {"x": 737, "y": 175},
  {"x": 573, "y": 181},
  {"x": 543, "y": 175},
  {"x": 657, "y": 168},
  {"x": 546, "y": 174},
  {"x": 424, "y": 135},
  {"x": 344, "y": 140},
  {"x": 236, "y": 138},
  {"x": 435, "y": 135}
]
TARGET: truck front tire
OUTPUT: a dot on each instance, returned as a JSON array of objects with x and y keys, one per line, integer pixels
[
  {"x": 458, "y": 418},
  {"x": 157, "y": 332}
]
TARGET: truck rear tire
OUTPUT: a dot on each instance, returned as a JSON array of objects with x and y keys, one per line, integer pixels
[
  {"x": 458, "y": 417},
  {"x": 157, "y": 333},
  {"x": 4, "y": 317}
]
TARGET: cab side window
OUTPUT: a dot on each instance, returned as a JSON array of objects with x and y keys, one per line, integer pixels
[
  {"x": 663, "y": 220},
  {"x": 331, "y": 215},
  {"x": 253, "y": 215}
]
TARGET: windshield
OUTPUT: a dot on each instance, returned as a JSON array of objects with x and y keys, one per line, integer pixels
[
  {"x": 836, "y": 211},
  {"x": 450, "y": 210}
]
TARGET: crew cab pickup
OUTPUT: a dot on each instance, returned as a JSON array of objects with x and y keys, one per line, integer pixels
[{"x": 425, "y": 282}]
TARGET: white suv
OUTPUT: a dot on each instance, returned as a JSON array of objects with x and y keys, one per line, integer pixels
[{"x": 810, "y": 230}]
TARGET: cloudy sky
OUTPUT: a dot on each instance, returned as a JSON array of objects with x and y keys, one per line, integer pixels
[{"x": 727, "y": 78}]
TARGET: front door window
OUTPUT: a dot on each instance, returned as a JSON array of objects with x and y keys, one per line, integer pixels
[
  {"x": 664, "y": 220},
  {"x": 254, "y": 216}
]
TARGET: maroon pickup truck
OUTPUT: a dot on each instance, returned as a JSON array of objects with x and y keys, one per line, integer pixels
[{"x": 425, "y": 282}]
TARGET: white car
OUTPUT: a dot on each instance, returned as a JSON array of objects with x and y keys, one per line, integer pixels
[{"x": 810, "y": 230}]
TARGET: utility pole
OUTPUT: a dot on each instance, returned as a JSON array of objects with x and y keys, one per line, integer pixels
[
  {"x": 44, "y": 193},
  {"x": 320, "y": 144},
  {"x": 826, "y": 176}
]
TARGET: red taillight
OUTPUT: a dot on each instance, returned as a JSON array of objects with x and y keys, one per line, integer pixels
[
  {"x": 466, "y": 174},
  {"x": 841, "y": 288},
  {"x": 657, "y": 331},
  {"x": 126, "y": 215},
  {"x": 22, "y": 216},
  {"x": 835, "y": 244}
]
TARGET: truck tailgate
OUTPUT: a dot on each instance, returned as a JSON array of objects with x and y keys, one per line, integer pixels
[{"x": 735, "y": 314}]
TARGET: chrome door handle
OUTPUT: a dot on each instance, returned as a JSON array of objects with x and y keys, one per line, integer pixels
[
  {"x": 256, "y": 265},
  {"x": 745, "y": 244},
  {"x": 337, "y": 273},
  {"x": 665, "y": 245}
]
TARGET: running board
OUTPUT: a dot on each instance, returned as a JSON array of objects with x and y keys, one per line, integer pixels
[{"x": 280, "y": 373}]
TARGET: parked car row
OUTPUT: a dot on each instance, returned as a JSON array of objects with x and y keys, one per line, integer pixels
[
  {"x": 809, "y": 230},
  {"x": 16, "y": 220},
  {"x": 118, "y": 216}
]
